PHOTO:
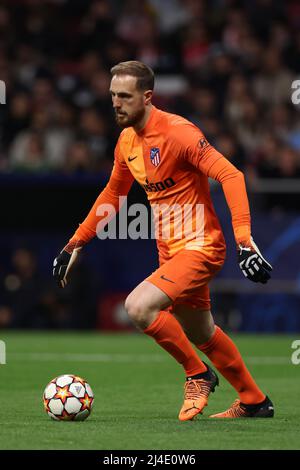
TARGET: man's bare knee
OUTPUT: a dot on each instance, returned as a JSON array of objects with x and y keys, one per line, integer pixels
[
  {"x": 134, "y": 308},
  {"x": 139, "y": 311},
  {"x": 144, "y": 303},
  {"x": 202, "y": 336},
  {"x": 198, "y": 325}
]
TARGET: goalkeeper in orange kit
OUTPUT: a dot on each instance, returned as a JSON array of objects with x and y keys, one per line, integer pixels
[{"x": 172, "y": 160}]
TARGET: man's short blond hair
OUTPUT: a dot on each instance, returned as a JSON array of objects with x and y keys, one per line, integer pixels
[{"x": 143, "y": 73}]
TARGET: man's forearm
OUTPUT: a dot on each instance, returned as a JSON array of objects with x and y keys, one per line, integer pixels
[
  {"x": 233, "y": 184},
  {"x": 92, "y": 223},
  {"x": 237, "y": 201}
]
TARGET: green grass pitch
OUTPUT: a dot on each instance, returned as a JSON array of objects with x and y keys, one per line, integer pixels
[{"x": 138, "y": 392}]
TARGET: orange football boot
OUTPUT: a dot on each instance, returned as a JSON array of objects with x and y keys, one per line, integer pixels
[
  {"x": 196, "y": 393},
  {"x": 265, "y": 409}
]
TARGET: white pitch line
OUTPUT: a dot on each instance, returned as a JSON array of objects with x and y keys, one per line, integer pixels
[
  {"x": 268, "y": 360},
  {"x": 86, "y": 357},
  {"x": 127, "y": 358}
]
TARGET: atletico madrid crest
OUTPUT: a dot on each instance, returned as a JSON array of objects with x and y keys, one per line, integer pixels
[{"x": 155, "y": 156}]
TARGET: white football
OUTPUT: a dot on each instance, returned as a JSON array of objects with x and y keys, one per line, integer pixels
[{"x": 68, "y": 398}]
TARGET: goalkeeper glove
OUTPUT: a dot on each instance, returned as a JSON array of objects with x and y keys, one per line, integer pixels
[
  {"x": 253, "y": 264},
  {"x": 63, "y": 262}
]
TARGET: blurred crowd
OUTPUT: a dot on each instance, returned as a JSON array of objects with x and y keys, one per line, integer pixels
[
  {"x": 236, "y": 61},
  {"x": 226, "y": 65},
  {"x": 30, "y": 299}
]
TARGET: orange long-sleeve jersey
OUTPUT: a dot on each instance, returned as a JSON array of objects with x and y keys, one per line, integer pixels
[{"x": 172, "y": 161}]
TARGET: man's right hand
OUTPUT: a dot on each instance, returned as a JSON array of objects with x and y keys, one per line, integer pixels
[{"x": 62, "y": 265}]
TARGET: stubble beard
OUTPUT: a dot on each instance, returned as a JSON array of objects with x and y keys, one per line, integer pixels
[{"x": 130, "y": 121}]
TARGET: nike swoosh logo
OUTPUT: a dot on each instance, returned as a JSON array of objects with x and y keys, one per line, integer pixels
[
  {"x": 130, "y": 159},
  {"x": 166, "y": 279}
]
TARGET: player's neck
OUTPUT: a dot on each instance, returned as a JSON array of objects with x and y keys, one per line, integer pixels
[{"x": 142, "y": 123}]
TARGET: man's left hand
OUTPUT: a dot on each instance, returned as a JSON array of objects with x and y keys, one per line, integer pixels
[{"x": 253, "y": 264}]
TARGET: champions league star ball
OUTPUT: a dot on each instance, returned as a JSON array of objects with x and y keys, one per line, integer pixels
[{"x": 68, "y": 398}]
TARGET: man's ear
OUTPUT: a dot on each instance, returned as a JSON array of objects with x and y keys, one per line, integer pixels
[{"x": 148, "y": 96}]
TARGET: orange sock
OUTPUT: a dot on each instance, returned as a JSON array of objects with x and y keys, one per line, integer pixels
[
  {"x": 168, "y": 333},
  {"x": 225, "y": 356}
]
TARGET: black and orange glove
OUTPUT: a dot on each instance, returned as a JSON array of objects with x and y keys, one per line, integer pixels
[
  {"x": 253, "y": 264},
  {"x": 64, "y": 261}
]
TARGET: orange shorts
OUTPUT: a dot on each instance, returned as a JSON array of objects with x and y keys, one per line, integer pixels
[{"x": 185, "y": 277}]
